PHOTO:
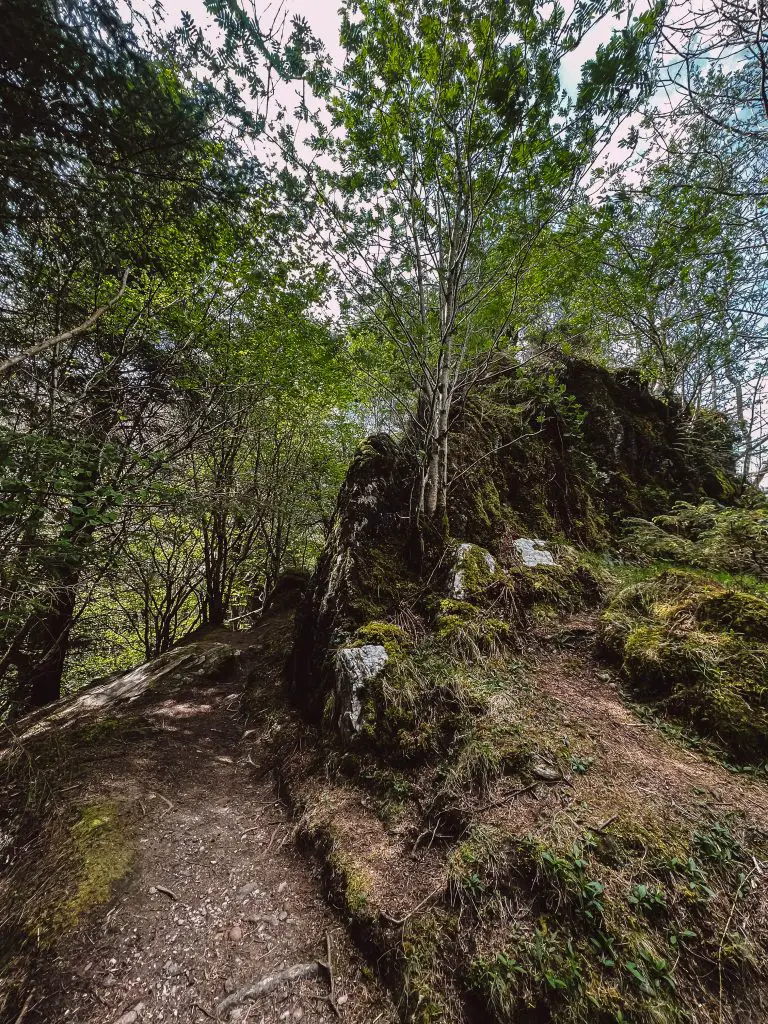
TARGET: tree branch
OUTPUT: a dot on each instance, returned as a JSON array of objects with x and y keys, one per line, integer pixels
[{"x": 43, "y": 346}]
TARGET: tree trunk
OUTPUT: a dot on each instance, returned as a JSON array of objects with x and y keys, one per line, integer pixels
[{"x": 39, "y": 681}]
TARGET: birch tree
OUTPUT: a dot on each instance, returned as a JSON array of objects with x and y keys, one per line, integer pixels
[{"x": 456, "y": 146}]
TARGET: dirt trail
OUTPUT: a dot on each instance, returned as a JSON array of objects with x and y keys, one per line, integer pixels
[{"x": 218, "y": 896}]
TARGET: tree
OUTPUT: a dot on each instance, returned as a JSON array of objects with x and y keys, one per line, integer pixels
[{"x": 456, "y": 148}]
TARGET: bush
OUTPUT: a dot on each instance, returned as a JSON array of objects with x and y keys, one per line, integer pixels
[
  {"x": 707, "y": 536},
  {"x": 701, "y": 650}
]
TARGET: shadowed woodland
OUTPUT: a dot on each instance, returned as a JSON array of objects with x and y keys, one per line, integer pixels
[{"x": 386, "y": 425}]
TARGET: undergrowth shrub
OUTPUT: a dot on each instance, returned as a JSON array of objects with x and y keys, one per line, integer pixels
[
  {"x": 708, "y": 536},
  {"x": 698, "y": 649}
]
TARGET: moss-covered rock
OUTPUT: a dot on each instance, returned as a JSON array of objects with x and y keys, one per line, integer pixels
[
  {"x": 700, "y": 650},
  {"x": 390, "y": 636},
  {"x": 363, "y": 574},
  {"x": 573, "y": 449},
  {"x": 563, "y": 452}
]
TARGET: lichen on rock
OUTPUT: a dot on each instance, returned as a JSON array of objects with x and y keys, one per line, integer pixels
[
  {"x": 473, "y": 567},
  {"x": 533, "y": 552},
  {"x": 355, "y": 668}
]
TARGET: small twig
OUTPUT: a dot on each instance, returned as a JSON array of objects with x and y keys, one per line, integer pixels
[
  {"x": 509, "y": 796},
  {"x": 167, "y": 892},
  {"x": 604, "y": 825},
  {"x": 272, "y": 838},
  {"x": 24, "y": 1009},
  {"x": 202, "y": 1009},
  {"x": 268, "y": 984},
  {"x": 74, "y": 332},
  {"x": 331, "y": 979},
  {"x": 402, "y": 920}
]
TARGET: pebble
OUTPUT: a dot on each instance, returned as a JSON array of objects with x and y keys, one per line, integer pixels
[
  {"x": 235, "y": 933},
  {"x": 342, "y": 999}
]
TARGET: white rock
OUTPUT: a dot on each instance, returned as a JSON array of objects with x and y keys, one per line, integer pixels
[
  {"x": 458, "y": 589},
  {"x": 534, "y": 552},
  {"x": 356, "y": 666}
]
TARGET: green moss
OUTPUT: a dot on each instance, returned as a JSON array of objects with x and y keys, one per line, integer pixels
[
  {"x": 616, "y": 926},
  {"x": 425, "y": 958},
  {"x": 700, "y": 651},
  {"x": 348, "y": 883},
  {"x": 487, "y": 509},
  {"x": 391, "y": 637},
  {"x": 105, "y": 856},
  {"x": 476, "y": 574},
  {"x": 100, "y": 855},
  {"x": 731, "y": 610},
  {"x": 474, "y": 637},
  {"x": 567, "y": 586}
]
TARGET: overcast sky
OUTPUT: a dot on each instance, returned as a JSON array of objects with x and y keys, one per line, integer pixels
[{"x": 323, "y": 18}]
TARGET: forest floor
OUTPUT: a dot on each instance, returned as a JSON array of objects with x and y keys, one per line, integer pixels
[
  {"x": 599, "y": 774},
  {"x": 216, "y": 898},
  {"x": 216, "y": 894}
]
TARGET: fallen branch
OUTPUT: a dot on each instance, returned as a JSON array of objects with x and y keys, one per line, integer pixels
[
  {"x": 269, "y": 983},
  {"x": 331, "y": 979},
  {"x": 509, "y": 796},
  {"x": 43, "y": 346},
  {"x": 402, "y": 920},
  {"x": 202, "y": 1009}
]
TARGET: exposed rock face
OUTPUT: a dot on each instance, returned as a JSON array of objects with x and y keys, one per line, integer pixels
[
  {"x": 574, "y": 450},
  {"x": 361, "y": 573},
  {"x": 116, "y": 693},
  {"x": 533, "y": 552},
  {"x": 467, "y": 558},
  {"x": 566, "y": 454},
  {"x": 355, "y": 667}
]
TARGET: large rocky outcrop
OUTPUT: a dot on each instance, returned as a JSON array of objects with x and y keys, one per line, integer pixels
[
  {"x": 573, "y": 451},
  {"x": 564, "y": 455}
]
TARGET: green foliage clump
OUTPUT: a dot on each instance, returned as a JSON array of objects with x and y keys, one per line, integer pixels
[
  {"x": 417, "y": 704},
  {"x": 569, "y": 585},
  {"x": 390, "y": 636},
  {"x": 605, "y": 927},
  {"x": 698, "y": 649},
  {"x": 471, "y": 632},
  {"x": 708, "y": 536},
  {"x": 423, "y": 956}
]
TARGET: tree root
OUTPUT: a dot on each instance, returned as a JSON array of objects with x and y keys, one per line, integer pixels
[{"x": 269, "y": 983}]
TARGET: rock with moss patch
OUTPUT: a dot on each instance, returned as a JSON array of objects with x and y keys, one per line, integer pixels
[
  {"x": 356, "y": 667},
  {"x": 473, "y": 568},
  {"x": 700, "y": 651},
  {"x": 533, "y": 552}
]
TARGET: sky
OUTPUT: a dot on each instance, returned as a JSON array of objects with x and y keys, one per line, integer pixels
[{"x": 323, "y": 18}]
